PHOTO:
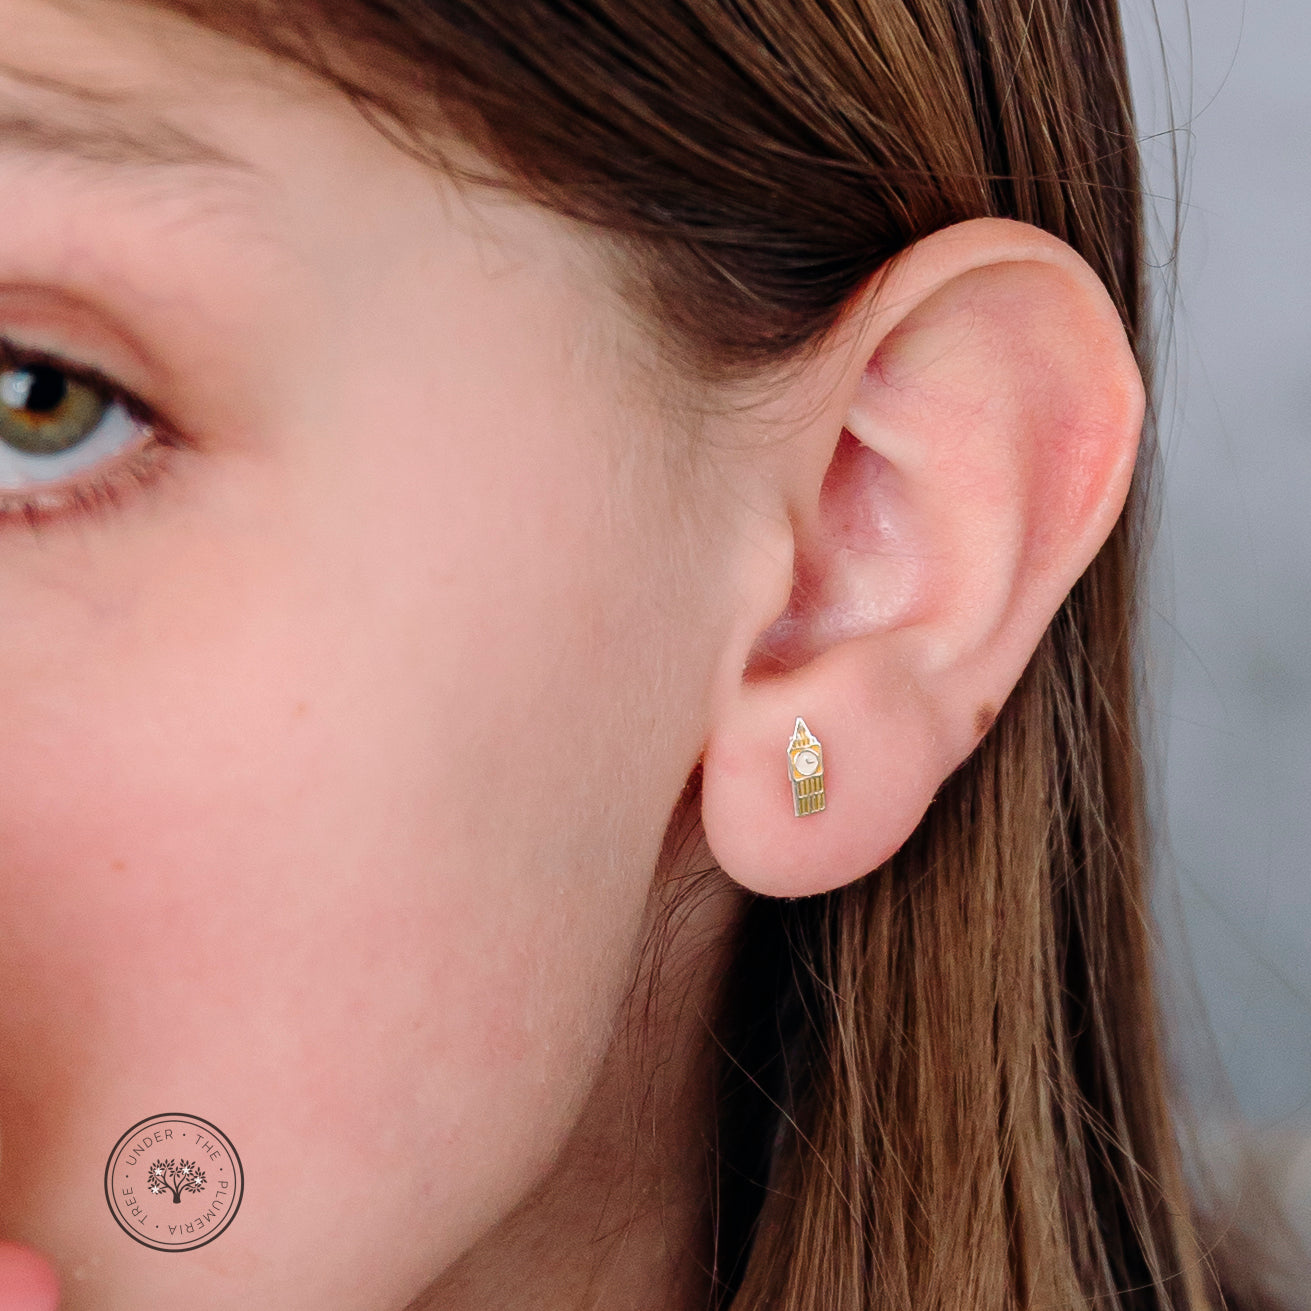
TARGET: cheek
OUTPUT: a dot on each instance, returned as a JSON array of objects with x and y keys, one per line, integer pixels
[{"x": 328, "y": 834}]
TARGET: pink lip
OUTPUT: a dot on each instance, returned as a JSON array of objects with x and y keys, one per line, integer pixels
[{"x": 27, "y": 1280}]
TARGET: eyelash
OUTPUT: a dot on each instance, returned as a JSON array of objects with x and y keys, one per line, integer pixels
[{"x": 101, "y": 490}]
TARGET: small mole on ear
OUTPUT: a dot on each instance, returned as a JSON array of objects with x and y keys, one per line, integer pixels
[
  {"x": 984, "y": 718},
  {"x": 118, "y": 866}
]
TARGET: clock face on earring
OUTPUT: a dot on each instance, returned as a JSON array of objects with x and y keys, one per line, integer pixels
[{"x": 805, "y": 762}]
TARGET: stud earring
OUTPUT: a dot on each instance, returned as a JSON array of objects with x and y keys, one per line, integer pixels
[{"x": 806, "y": 770}]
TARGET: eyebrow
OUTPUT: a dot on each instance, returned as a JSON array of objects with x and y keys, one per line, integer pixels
[
  {"x": 105, "y": 140},
  {"x": 115, "y": 145}
]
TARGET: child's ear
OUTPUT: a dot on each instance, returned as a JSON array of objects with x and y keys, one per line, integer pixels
[{"x": 976, "y": 456}]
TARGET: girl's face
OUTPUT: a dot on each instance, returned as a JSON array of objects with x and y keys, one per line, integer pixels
[{"x": 342, "y": 719}]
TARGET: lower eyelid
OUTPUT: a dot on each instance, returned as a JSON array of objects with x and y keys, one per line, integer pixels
[{"x": 42, "y": 505}]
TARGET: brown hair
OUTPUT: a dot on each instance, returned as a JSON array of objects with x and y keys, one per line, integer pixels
[{"x": 946, "y": 1087}]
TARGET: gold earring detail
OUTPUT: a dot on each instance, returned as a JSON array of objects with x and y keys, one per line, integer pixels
[{"x": 806, "y": 770}]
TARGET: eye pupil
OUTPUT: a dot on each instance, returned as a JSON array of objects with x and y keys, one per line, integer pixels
[
  {"x": 47, "y": 389},
  {"x": 38, "y": 389},
  {"x": 45, "y": 410}
]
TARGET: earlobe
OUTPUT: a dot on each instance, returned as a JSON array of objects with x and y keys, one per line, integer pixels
[{"x": 976, "y": 455}]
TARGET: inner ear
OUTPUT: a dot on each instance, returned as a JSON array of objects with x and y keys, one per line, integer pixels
[
  {"x": 852, "y": 510},
  {"x": 857, "y": 517}
]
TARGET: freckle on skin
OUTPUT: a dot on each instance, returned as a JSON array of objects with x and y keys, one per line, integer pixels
[
  {"x": 302, "y": 708},
  {"x": 118, "y": 866},
  {"x": 984, "y": 718}
]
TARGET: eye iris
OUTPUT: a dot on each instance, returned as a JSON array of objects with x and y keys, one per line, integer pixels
[{"x": 44, "y": 411}]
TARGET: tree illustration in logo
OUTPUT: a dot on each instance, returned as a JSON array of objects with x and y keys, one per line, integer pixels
[{"x": 168, "y": 1176}]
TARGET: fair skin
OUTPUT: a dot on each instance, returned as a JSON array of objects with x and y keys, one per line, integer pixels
[{"x": 339, "y": 759}]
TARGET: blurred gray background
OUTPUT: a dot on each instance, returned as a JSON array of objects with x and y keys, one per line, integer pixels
[{"x": 1230, "y": 634}]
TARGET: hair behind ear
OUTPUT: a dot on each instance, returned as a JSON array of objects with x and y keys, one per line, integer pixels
[{"x": 979, "y": 1070}]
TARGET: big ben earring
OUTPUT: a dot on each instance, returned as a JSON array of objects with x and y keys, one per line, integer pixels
[{"x": 806, "y": 770}]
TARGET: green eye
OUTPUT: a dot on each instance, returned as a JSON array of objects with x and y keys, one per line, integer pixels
[
  {"x": 46, "y": 411},
  {"x": 72, "y": 440}
]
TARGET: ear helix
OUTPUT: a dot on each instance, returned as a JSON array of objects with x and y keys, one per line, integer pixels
[{"x": 806, "y": 770}]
